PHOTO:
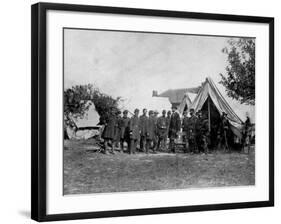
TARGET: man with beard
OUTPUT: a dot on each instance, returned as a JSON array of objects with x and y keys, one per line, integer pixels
[
  {"x": 124, "y": 130},
  {"x": 143, "y": 129},
  {"x": 109, "y": 133},
  {"x": 162, "y": 127},
  {"x": 134, "y": 130},
  {"x": 202, "y": 132},
  {"x": 174, "y": 128},
  {"x": 151, "y": 132}
]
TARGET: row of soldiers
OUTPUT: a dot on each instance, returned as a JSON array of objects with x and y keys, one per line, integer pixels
[{"x": 152, "y": 132}]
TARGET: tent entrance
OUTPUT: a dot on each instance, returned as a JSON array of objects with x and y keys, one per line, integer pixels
[{"x": 210, "y": 111}]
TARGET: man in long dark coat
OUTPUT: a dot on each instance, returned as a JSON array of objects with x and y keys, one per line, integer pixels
[
  {"x": 202, "y": 133},
  {"x": 134, "y": 130},
  {"x": 151, "y": 132},
  {"x": 185, "y": 126},
  {"x": 246, "y": 134},
  {"x": 118, "y": 129},
  {"x": 223, "y": 133},
  {"x": 174, "y": 128},
  {"x": 143, "y": 130},
  {"x": 109, "y": 133},
  {"x": 124, "y": 130},
  {"x": 190, "y": 129}
]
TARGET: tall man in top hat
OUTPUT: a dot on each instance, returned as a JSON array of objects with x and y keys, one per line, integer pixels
[
  {"x": 134, "y": 130},
  {"x": 143, "y": 129},
  {"x": 174, "y": 128}
]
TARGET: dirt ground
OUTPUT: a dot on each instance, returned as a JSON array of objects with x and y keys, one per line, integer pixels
[{"x": 86, "y": 171}]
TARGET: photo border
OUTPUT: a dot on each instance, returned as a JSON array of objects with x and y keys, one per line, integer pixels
[{"x": 39, "y": 108}]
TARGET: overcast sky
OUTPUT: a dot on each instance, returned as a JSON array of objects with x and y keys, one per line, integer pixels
[{"x": 131, "y": 65}]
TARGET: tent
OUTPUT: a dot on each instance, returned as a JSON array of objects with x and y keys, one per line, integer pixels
[
  {"x": 90, "y": 119},
  {"x": 185, "y": 103},
  {"x": 211, "y": 100},
  {"x": 85, "y": 127}
]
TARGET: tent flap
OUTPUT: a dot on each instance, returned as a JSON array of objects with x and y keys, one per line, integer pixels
[{"x": 209, "y": 89}]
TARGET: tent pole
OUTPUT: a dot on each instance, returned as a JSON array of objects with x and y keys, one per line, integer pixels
[{"x": 209, "y": 114}]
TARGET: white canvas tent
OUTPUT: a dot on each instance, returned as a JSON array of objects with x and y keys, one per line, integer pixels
[
  {"x": 186, "y": 102},
  {"x": 90, "y": 119},
  {"x": 210, "y": 91},
  {"x": 87, "y": 125}
]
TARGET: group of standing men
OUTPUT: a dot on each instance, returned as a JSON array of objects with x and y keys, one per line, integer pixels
[{"x": 149, "y": 131}]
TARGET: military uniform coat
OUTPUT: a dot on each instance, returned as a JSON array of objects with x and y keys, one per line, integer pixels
[
  {"x": 124, "y": 128},
  {"x": 110, "y": 128},
  {"x": 175, "y": 125},
  {"x": 143, "y": 125},
  {"x": 134, "y": 127},
  {"x": 162, "y": 126},
  {"x": 190, "y": 128},
  {"x": 151, "y": 128}
]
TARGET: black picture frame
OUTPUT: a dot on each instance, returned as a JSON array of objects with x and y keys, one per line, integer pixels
[{"x": 39, "y": 122}]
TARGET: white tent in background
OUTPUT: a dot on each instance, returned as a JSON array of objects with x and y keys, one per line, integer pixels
[
  {"x": 186, "y": 103},
  {"x": 87, "y": 126},
  {"x": 90, "y": 119},
  {"x": 209, "y": 93}
]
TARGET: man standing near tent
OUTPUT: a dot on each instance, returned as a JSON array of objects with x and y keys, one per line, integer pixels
[
  {"x": 246, "y": 134},
  {"x": 134, "y": 130},
  {"x": 224, "y": 131},
  {"x": 143, "y": 130},
  {"x": 118, "y": 129},
  {"x": 109, "y": 133},
  {"x": 174, "y": 128},
  {"x": 185, "y": 125},
  {"x": 155, "y": 140},
  {"x": 151, "y": 132},
  {"x": 188, "y": 126},
  {"x": 202, "y": 132},
  {"x": 162, "y": 127},
  {"x": 124, "y": 130},
  {"x": 191, "y": 131},
  {"x": 169, "y": 119}
]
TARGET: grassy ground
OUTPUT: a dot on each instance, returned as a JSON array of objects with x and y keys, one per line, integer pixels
[{"x": 86, "y": 171}]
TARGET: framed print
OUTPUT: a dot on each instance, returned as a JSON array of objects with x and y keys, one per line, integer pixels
[{"x": 139, "y": 111}]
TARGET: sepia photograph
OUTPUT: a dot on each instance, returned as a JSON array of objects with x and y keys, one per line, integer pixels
[{"x": 148, "y": 111}]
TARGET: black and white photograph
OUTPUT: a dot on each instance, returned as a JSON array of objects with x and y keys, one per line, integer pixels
[{"x": 148, "y": 111}]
